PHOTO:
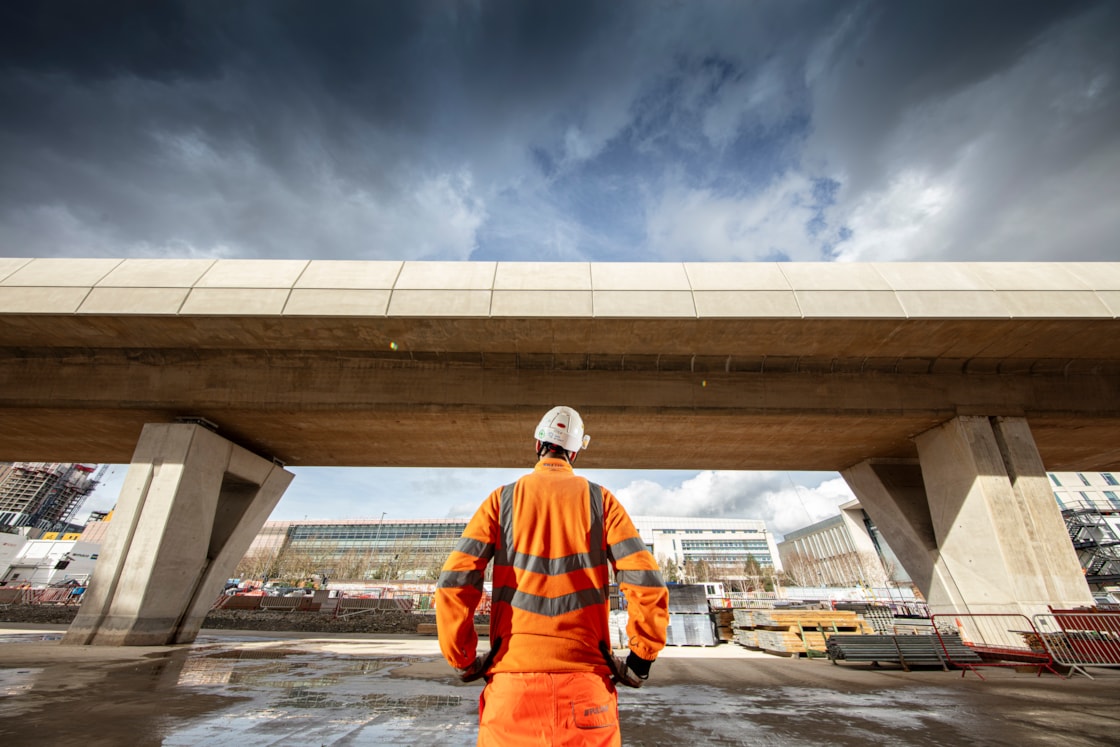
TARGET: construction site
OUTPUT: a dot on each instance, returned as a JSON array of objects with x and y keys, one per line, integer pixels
[
  {"x": 752, "y": 673},
  {"x": 45, "y": 495}
]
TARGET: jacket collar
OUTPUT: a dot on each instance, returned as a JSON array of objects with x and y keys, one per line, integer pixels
[{"x": 553, "y": 464}]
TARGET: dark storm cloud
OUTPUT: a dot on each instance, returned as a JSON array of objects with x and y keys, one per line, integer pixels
[
  {"x": 893, "y": 57},
  {"x": 972, "y": 130},
  {"x": 576, "y": 130},
  {"x": 218, "y": 123}
]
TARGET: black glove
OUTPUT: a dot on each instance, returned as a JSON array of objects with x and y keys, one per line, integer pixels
[
  {"x": 481, "y": 664},
  {"x": 632, "y": 672}
]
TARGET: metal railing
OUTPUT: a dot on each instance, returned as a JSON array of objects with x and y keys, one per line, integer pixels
[
  {"x": 999, "y": 640},
  {"x": 349, "y": 606},
  {"x": 1080, "y": 639}
]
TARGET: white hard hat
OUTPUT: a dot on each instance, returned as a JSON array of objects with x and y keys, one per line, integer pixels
[{"x": 564, "y": 427}]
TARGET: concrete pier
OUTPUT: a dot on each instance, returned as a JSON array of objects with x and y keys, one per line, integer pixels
[
  {"x": 190, "y": 506},
  {"x": 974, "y": 521}
]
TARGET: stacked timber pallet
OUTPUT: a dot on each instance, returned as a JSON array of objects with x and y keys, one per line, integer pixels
[
  {"x": 743, "y": 625},
  {"x": 725, "y": 624},
  {"x": 795, "y": 632}
]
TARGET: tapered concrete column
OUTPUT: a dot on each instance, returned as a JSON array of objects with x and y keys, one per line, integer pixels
[
  {"x": 190, "y": 506},
  {"x": 990, "y": 536},
  {"x": 892, "y": 493}
]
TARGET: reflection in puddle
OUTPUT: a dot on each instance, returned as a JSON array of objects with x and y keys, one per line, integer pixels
[
  {"x": 29, "y": 638},
  {"x": 316, "y": 697},
  {"x": 256, "y": 653},
  {"x": 16, "y": 681},
  {"x": 415, "y": 704}
]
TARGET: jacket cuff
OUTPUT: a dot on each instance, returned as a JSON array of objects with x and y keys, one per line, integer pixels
[{"x": 638, "y": 665}]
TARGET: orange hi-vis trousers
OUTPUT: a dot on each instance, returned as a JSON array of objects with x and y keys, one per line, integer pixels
[{"x": 574, "y": 709}]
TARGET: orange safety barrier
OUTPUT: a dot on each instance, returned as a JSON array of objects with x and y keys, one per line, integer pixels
[
  {"x": 1078, "y": 639},
  {"x": 1000, "y": 640}
]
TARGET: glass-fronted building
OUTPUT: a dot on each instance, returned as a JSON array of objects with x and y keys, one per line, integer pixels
[
  {"x": 724, "y": 543},
  {"x": 417, "y": 548}
]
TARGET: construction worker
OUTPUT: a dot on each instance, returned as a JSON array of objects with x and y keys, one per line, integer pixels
[{"x": 551, "y": 672}]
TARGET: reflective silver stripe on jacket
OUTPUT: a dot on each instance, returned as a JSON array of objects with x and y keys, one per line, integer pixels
[
  {"x": 552, "y": 566},
  {"x": 598, "y": 552},
  {"x": 640, "y": 578},
  {"x": 550, "y": 606},
  {"x": 477, "y": 548},
  {"x": 506, "y": 555},
  {"x": 459, "y": 579},
  {"x": 626, "y": 547}
]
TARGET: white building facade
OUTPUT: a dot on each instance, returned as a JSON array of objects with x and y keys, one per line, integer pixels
[
  {"x": 724, "y": 543},
  {"x": 848, "y": 550}
]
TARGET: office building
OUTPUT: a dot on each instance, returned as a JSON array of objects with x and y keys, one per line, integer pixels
[
  {"x": 417, "y": 548},
  {"x": 848, "y": 550}
]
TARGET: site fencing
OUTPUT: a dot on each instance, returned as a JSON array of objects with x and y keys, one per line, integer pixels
[
  {"x": 61, "y": 595},
  {"x": 349, "y": 606},
  {"x": 1080, "y": 639},
  {"x": 999, "y": 640}
]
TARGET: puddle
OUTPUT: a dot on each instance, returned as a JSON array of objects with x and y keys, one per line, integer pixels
[
  {"x": 16, "y": 681},
  {"x": 35, "y": 637},
  {"x": 270, "y": 653}
]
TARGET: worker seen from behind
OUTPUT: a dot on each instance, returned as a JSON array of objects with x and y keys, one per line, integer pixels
[{"x": 553, "y": 537}]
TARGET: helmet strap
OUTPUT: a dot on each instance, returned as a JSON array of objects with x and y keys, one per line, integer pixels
[{"x": 555, "y": 451}]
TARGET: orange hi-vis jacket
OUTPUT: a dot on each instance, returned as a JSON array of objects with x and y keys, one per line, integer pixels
[{"x": 551, "y": 536}]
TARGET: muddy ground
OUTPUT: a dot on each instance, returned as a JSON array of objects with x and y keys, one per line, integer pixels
[
  {"x": 261, "y": 689},
  {"x": 393, "y": 621}
]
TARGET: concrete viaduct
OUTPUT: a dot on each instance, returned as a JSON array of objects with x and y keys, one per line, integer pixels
[{"x": 942, "y": 392}]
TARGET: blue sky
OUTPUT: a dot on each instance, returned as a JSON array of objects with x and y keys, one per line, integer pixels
[{"x": 837, "y": 130}]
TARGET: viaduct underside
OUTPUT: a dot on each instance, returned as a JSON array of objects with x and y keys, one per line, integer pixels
[{"x": 942, "y": 393}]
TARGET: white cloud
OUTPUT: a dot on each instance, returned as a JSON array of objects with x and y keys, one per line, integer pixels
[
  {"x": 704, "y": 225},
  {"x": 770, "y": 496},
  {"x": 897, "y": 222}
]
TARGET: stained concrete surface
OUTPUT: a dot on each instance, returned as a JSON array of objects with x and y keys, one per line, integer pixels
[{"x": 252, "y": 689}]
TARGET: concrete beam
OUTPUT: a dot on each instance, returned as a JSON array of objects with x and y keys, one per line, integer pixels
[
  {"x": 324, "y": 363},
  {"x": 190, "y": 506}
]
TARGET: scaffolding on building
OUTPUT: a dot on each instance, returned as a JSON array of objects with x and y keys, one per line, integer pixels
[
  {"x": 1096, "y": 541},
  {"x": 44, "y": 495}
]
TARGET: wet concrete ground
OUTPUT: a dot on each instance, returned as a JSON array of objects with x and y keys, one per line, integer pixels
[{"x": 251, "y": 689}]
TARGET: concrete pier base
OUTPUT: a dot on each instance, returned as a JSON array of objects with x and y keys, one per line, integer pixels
[
  {"x": 191, "y": 504},
  {"x": 974, "y": 520}
]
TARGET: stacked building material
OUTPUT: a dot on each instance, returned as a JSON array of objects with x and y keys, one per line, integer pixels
[
  {"x": 796, "y": 632},
  {"x": 690, "y": 620},
  {"x": 907, "y": 650},
  {"x": 725, "y": 624},
  {"x": 879, "y": 616},
  {"x": 745, "y": 634}
]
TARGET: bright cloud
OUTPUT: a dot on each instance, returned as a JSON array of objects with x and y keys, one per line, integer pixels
[{"x": 774, "y": 497}]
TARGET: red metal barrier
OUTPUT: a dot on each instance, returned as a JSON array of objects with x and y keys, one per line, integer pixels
[
  {"x": 348, "y": 606},
  {"x": 1000, "y": 640},
  {"x": 56, "y": 595},
  {"x": 1080, "y": 639}
]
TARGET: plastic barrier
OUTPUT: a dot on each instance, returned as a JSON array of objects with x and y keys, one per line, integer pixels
[
  {"x": 1080, "y": 639},
  {"x": 1000, "y": 640}
]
